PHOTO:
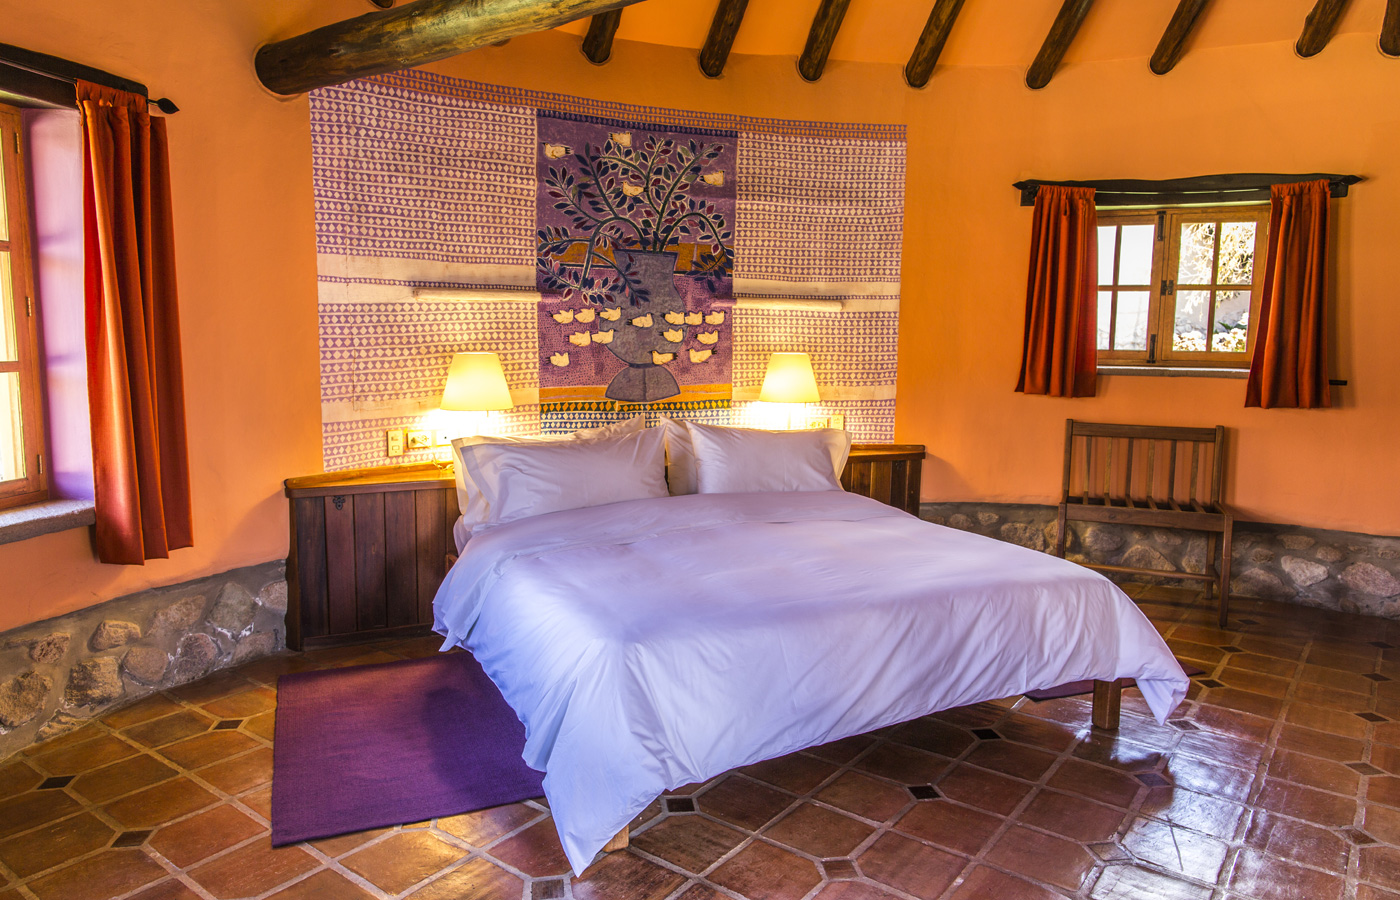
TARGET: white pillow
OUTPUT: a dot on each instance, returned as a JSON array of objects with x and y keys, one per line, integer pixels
[
  {"x": 469, "y": 501},
  {"x": 531, "y": 478},
  {"x": 680, "y": 457},
  {"x": 749, "y": 460}
]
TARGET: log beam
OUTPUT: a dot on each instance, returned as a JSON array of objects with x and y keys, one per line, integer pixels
[
  {"x": 724, "y": 27},
  {"x": 1173, "y": 43},
  {"x": 825, "y": 24},
  {"x": 935, "y": 34},
  {"x": 597, "y": 44},
  {"x": 1390, "y": 29},
  {"x": 1318, "y": 28},
  {"x": 1061, "y": 35},
  {"x": 408, "y": 35}
]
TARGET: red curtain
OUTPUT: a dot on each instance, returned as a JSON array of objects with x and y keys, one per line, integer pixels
[
  {"x": 135, "y": 386},
  {"x": 1060, "y": 354},
  {"x": 1289, "y": 367}
]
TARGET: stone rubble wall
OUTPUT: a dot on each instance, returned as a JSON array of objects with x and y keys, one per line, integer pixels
[
  {"x": 1340, "y": 570},
  {"x": 57, "y": 674}
]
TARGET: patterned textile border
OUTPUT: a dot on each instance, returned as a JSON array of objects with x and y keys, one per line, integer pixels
[
  {"x": 417, "y": 80},
  {"x": 562, "y": 418}
]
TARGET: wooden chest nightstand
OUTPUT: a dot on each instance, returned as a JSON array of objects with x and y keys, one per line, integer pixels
[{"x": 369, "y": 546}]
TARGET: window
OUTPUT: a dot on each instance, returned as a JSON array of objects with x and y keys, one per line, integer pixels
[
  {"x": 1178, "y": 286},
  {"x": 22, "y": 478}
]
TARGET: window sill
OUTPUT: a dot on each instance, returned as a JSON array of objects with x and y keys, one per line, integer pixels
[
  {"x": 24, "y": 522},
  {"x": 1174, "y": 371}
]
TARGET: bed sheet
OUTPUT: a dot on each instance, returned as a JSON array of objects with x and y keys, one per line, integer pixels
[{"x": 654, "y": 643}]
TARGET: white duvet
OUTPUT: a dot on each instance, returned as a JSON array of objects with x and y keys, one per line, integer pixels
[{"x": 653, "y": 643}]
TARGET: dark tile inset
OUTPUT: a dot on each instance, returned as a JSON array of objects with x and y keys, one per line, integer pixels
[
  {"x": 1152, "y": 779},
  {"x": 1382, "y": 644},
  {"x": 549, "y": 889},
  {"x": 680, "y": 805},
  {"x": 1376, "y": 676},
  {"x": 923, "y": 791},
  {"x": 840, "y": 869},
  {"x": 1247, "y": 621},
  {"x": 132, "y": 838},
  {"x": 1184, "y": 724},
  {"x": 1209, "y": 683},
  {"x": 1231, "y": 648},
  {"x": 51, "y": 784},
  {"x": 1109, "y": 852},
  {"x": 228, "y": 724},
  {"x": 1371, "y": 717},
  {"x": 1357, "y": 836},
  {"x": 1365, "y": 768},
  {"x": 986, "y": 734}
]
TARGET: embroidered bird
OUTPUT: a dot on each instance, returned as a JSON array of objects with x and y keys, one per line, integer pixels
[
  {"x": 612, "y": 315},
  {"x": 580, "y": 338},
  {"x": 674, "y": 335},
  {"x": 621, "y": 138},
  {"x": 699, "y": 356},
  {"x": 557, "y": 151},
  {"x": 559, "y": 359},
  {"x": 714, "y": 179},
  {"x": 694, "y": 318},
  {"x": 563, "y": 316},
  {"x": 631, "y": 190},
  {"x": 675, "y": 318},
  {"x": 714, "y": 318},
  {"x": 662, "y": 359},
  {"x": 707, "y": 337},
  {"x": 642, "y": 321},
  {"x": 603, "y": 337},
  {"x": 585, "y": 315}
]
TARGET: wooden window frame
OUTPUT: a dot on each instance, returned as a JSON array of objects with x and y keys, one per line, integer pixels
[
  {"x": 33, "y": 487},
  {"x": 1163, "y": 289}
]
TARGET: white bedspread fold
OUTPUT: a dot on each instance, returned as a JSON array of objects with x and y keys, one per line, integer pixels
[{"x": 653, "y": 643}]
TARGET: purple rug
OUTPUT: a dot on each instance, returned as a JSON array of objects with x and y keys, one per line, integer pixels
[
  {"x": 370, "y": 746},
  {"x": 1074, "y": 688}
]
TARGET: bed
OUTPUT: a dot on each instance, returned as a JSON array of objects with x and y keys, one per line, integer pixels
[{"x": 659, "y": 641}]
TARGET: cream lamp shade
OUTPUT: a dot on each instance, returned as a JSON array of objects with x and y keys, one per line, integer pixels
[
  {"x": 475, "y": 381},
  {"x": 789, "y": 379}
]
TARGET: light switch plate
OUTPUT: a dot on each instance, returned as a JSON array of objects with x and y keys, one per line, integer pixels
[
  {"x": 837, "y": 420},
  {"x": 393, "y": 442}
]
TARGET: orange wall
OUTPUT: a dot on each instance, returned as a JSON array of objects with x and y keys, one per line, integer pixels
[{"x": 245, "y": 245}]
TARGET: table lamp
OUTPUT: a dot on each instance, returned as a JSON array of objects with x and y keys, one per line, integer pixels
[
  {"x": 789, "y": 380},
  {"x": 476, "y": 385}
]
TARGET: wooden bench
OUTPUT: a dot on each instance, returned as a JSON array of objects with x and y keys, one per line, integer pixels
[{"x": 1161, "y": 477}]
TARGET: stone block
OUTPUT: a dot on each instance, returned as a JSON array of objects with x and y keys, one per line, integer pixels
[
  {"x": 1328, "y": 553},
  {"x": 94, "y": 682},
  {"x": 1023, "y": 535},
  {"x": 179, "y": 617},
  {"x": 1261, "y": 555},
  {"x": 274, "y": 597},
  {"x": 233, "y": 611},
  {"x": 61, "y": 723},
  {"x": 195, "y": 656},
  {"x": 1303, "y": 572},
  {"x": 1297, "y": 541},
  {"x": 1141, "y": 556},
  {"x": 254, "y": 645},
  {"x": 23, "y": 697},
  {"x": 1102, "y": 540},
  {"x": 1258, "y": 583},
  {"x": 114, "y": 633},
  {"x": 146, "y": 664},
  {"x": 1193, "y": 558},
  {"x": 1169, "y": 538},
  {"x": 959, "y": 521},
  {"x": 1369, "y": 579},
  {"x": 50, "y": 649},
  {"x": 988, "y": 518}
]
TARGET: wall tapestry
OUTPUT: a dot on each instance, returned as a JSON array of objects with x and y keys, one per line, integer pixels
[{"x": 621, "y": 259}]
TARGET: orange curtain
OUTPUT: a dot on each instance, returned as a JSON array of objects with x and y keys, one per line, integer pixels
[
  {"x": 1060, "y": 354},
  {"x": 135, "y": 386},
  {"x": 1289, "y": 367}
]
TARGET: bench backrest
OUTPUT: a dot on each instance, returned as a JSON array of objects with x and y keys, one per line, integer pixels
[{"x": 1156, "y": 467}]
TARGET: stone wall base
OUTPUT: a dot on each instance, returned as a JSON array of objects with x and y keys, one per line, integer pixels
[
  {"x": 1341, "y": 570},
  {"x": 57, "y": 674}
]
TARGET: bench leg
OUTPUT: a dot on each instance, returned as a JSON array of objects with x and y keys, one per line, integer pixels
[
  {"x": 1226, "y": 555},
  {"x": 1108, "y": 699},
  {"x": 618, "y": 842},
  {"x": 1060, "y": 540}
]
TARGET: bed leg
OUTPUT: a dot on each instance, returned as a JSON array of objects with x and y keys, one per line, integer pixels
[
  {"x": 1108, "y": 697},
  {"x": 619, "y": 841}
]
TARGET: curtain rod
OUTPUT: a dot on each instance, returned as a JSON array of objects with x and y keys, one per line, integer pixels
[
  {"x": 15, "y": 60},
  {"x": 1200, "y": 189}
]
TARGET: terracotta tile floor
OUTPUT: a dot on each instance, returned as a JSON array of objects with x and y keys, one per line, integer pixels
[{"x": 1278, "y": 778}]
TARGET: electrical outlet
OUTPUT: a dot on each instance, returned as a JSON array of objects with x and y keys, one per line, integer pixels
[
  {"x": 420, "y": 440},
  {"x": 393, "y": 442}
]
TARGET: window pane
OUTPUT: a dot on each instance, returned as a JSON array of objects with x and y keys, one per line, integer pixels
[
  {"x": 1107, "y": 235},
  {"x": 1105, "y": 317},
  {"x": 9, "y": 345},
  {"x": 1130, "y": 329},
  {"x": 1231, "y": 321},
  {"x": 11, "y": 428},
  {"x": 1237, "y": 252},
  {"x": 1135, "y": 260},
  {"x": 1192, "y": 309},
  {"x": 1197, "y": 253}
]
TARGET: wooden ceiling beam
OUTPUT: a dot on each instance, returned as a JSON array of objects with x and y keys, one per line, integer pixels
[
  {"x": 724, "y": 27},
  {"x": 1318, "y": 29},
  {"x": 1173, "y": 43},
  {"x": 1067, "y": 22},
  {"x": 1390, "y": 29},
  {"x": 408, "y": 35},
  {"x": 825, "y": 24},
  {"x": 930, "y": 46},
  {"x": 597, "y": 44}
]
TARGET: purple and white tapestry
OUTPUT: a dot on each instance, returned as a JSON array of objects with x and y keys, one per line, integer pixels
[{"x": 621, "y": 259}]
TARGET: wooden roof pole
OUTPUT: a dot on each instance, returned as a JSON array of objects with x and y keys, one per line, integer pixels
[
  {"x": 935, "y": 34},
  {"x": 597, "y": 44},
  {"x": 1173, "y": 43},
  {"x": 825, "y": 24},
  {"x": 724, "y": 27},
  {"x": 1318, "y": 28},
  {"x": 1061, "y": 35},
  {"x": 408, "y": 35}
]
